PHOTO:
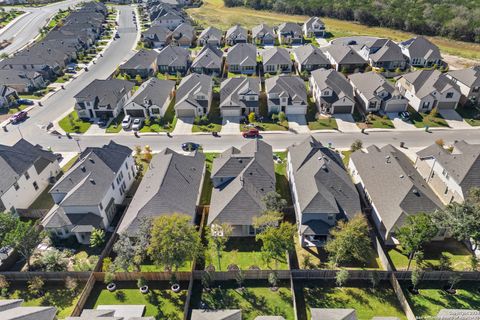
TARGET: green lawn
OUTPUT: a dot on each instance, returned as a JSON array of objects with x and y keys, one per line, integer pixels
[
  {"x": 115, "y": 125},
  {"x": 165, "y": 124},
  {"x": 255, "y": 300},
  {"x": 161, "y": 302},
  {"x": 74, "y": 126},
  {"x": 63, "y": 78},
  {"x": 457, "y": 253},
  {"x": 267, "y": 126},
  {"x": 150, "y": 267},
  {"x": 54, "y": 295},
  {"x": 421, "y": 120},
  {"x": 17, "y": 109},
  {"x": 207, "y": 182},
  {"x": 376, "y": 121},
  {"x": 243, "y": 252},
  {"x": 432, "y": 298},
  {"x": 346, "y": 157},
  {"x": 214, "y": 123},
  {"x": 35, "y": 95},
  {"x": 323, "y": 123},
  {"x": 7, "y": 16},
  {"x": 367, "y": 302},
  {"x": 470, "y": 114},
  {"x": 282, "y": 184},
  {"x": 43, "y": 201}
]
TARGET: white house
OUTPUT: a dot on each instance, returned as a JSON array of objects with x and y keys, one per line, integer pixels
[
  {"x": 286, "y": 94},
  {"x": 26, "y": 171},
  {"x": 468, "y": 80},
  {"x": 314, "y": 27}
]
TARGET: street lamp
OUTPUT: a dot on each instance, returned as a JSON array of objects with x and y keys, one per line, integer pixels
[{"x": 77, "y": 140}]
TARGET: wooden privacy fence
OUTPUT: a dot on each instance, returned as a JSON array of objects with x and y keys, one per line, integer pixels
[
  {"x": 249, "y": 275},
  {"x": 77, "y": 310},
  {"x": 47, "y": 276}
]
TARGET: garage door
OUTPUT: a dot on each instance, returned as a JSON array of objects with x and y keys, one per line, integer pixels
[
  {"x": 104, "y": 114},
  {"x": 185, "y": 113},
  {"x": 446, "y": 105},
  {"x": 342, "y": 109},
  {"x": 135, "y": 113},
  {"x": 231, "y": 113},
  {"x": 395, "y": 107}
]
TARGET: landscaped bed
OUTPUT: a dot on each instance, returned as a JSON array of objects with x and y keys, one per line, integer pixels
[
  {"x": 256, "y": 299},
  {"x": 422, "y": 120},
  {"x": 210, "y": 123},
  {"x": 456, "y": 252},
  {"x": 432, "y": 297},
  {"x": 358, "y": 295},
  {"x": 160, "y": 302},
  {"x": 72, "y": 124}
]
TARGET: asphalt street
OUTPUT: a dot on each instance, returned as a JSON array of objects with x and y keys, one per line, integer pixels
[{"x": 27, "y": 27}]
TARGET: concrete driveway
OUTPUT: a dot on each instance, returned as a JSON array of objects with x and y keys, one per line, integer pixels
[
  {"x": 183, "y": 126},
  {"x": 453, "y": 119},
  {"x": 230, "y": 125},
  {"x": 298, "y": 124},
  {"x": 346, "y": 123},
  {"x": 399, "y": 123}
]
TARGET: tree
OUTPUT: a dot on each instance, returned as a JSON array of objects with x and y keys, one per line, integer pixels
[
  {"x": 24, "y": 237},
  {"x": 207, "y": 279},
  {"x": 240, "y": 278},
  {"x": 274, "y": 202},
  {"x": 35, "y": 285},
  {"x": 71, "y": 284},
  {"x": 416, "y": 276},
  {"x": 444, "y": 262},
  {"x": 217, "y": 239},
  {"x": 147, "y": 153},
  {"x": 97, "y": 238},
  {"x": 417, "y": 230},
  {"x": 266, "y": 219},
  {"x": 54, "y": 260},
  {"x": 4, "y": 285},
  {"x": 474, "y": 262},
  {"x": 125, "y": 253},
  {"x": 174, "y": 241},
  {"x": 419, "y": 257},
  {"x": 282, "y": 116},
  {"x": 342, "y": 277},
  {"x": 454, "y": 279},
  {"x": 251, "y": 117},
  {"x": 349, "y": 241},
  {"x": 7, "y": 224},
  {"x": 109, "y": 277},
  {"x": 356, "y": 145},
  {"x": 276, "y": 242}
]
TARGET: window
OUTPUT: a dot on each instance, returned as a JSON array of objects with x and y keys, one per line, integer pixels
[
  {"x": 372, "y": 105},
  {"x": 126, "y": 165},
  {"x": 27, "y": 176},
  {"x": 16, "y": 186},
  {"x": 100, "y": 205},
  {"x": 426, "y": 104},
  {"x": 129, "y": 176},
  {"x": 476, "y": 89},
  {"x": 450, "y": 95},
  {"x": 35, "y": 185}
]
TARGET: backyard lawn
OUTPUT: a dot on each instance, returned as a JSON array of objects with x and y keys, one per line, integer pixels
[
  {"x": 72, "y": 124},
  {"x": 470, "y": 114},
  {"x": 282, "y": 184},
  {"x": 255, "y": 300},
  {"x": 207, "y": 182},
  {"x": 458, "y": 255},
  {"x": 432, "y": 298},
  {"x": 367, "y": 302},
  {"x": 421, "y": 120},
  {"x": 243, "y": 252},
  {"x": 54, "y": 295},
  {"x": 323, "y": 123},
  {"x": 161, "y": 302}
]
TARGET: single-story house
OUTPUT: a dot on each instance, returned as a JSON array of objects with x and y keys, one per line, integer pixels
[
  {"x": 143, "y": 63},
  {"x": 155, "y": 36},
  {"x": 263, "y": 35},
  {"x": 208, "y": 61},
  {"x": 173, "y": 60},
  {"x": 8, "y": 97},
  {"x": 314, "y": 27},
  {"x": 210, "y": 36},
  {"x": 236, "y": 34},
  {"x": 308, "y": 58},
  {"x": 344, "y": 58},
  {"x": 290, "y": 33},
  {"x": 242, "y": 58},
  {"x": 276, "y": 60},
  {"x": 183, "y": 35}
]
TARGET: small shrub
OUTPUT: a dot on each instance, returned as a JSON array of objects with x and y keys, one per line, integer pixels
[{"x": 35, "y": 285}]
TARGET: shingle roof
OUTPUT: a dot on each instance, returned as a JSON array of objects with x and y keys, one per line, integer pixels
[
  {"x": 192, "y": 85},
  {"x": 470, "y": 76},
  {"x": 108, "y": 92},
  {"x": 17, "y": 159},
  {"x": 276, "y": 56},
  {"x": 371, "y": 83},
  {"x": 236, "y": 32},
  {"x": 208, "y": 58},
  {"x": 232, "y": 88},
  {"x": 211, "y": 33},
  {"x": 390, "y": 51},
  {"x": 291, "y": 86},
  {"x": 143, "y": 59},
  {"x": 309, "y": 23},
  {"x": 253, "y": 174},
  {"x": 185, "y": 29},
  {"x": 388, "y": 171},
  {"x": 159, "y": 33},
  {"x": 310, "y": 55},
  {"x": 153, "y": 92},
  {"x": 322, "y": 182},
  {"x": 291, "y": 28},
  {"x": 421, "y": 47},
  {"x": 234, "y": 314},
  {"x": 336, "y": 82},
  {"x": 427, "y": 81},
  {"x": 11, "y": 310},
  {"x": 262, "y": 30},
  {"x": 242, "y": 54},
  {"x": 343, "y": 54},
  {"x": 171, "y": 185},
  {"x": 173, "y": 56}
]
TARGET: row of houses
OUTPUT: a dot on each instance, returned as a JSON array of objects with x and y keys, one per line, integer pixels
[{"x": 34, "y": 67}]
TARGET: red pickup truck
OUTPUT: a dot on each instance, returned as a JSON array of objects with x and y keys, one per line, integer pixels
[{"x": 251, "y": 133}]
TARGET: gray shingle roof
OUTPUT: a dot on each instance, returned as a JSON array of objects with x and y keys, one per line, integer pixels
[
  {"x": 208, "y": 58},
  {"x": 309, "y": 23},
  {"x": 336, "y": 82},
  {"x": 159, "y": 33},
  {"x": 262, "y": 30},
  {"x": 343, "y": 54},
  {"x": 234, "y": 314},
  {"x": 292, "y": 86},
  {"x": 421, "y": 47},
  {"x": 470, "y": 76},
  {"x": 427, "y": 81},
  {"x": 236, "y": 32},
  {"x": 393, "y": 184},
  {"x": 17, "y": 77},
  {"x": 371, "y": 83},
  {"x": 333, "y": 314},
  {"x": 171, "y": 185},
  {"x": 143, "y": 59},
  {"x": 12, "y": 310},
  {"x": 153, "y": 92},
  {"x": 322, "y": 182},
  {"x": 211, "y": 33},
  {"x": 240, "y": 199},
  {"x": 276, "y": 56},
  {"x": 232, "y": 89},
  {"x": 17, "y": 159},
  {"x": 242, "y": 54},
  {"x": 173, "y": 56},
  {"x": 290, "y": 28},
  {"x": 192, "y": 85},
  {"x": 390, "y": 51},
  {"x": 184, "y": 30},
  {"x": 108, "y": 92},
  {"x": 310, "y": 55}
]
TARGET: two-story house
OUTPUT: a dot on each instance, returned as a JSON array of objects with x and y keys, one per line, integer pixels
[
  {"x": 450, "y": 174},
  {"x": 322, "y": 191},
  {"x": 8, "y": 97},
  {"x": 314, "y": 27},
  {"x": 331, "y": 92},
  {"x": 103, "y": 99},
  {"x": 194, "y": 96},
  {"x": 242, "y": 58},
  {"x": 87, "y": 196},
  {"x": 26, "y": 171},
  {"x": 286, "y": 94},
  {"x": 151, "y": 99},
  {"x": 263, "y": 35},
  {"x": 421, "y": 52},
  {"x": 241, "y": 178},
  {"x": 183, "y": 35},
  {"x": 239, "y": 96},
  {"x": 428, "y": 89},
  {"x": 290, "y": 33},
  {"x": 375, "y": 93},
  {"x": 276, "y": 60},
  {"x": 468, "y": 80},
  {"x": 170, "y": 20}
]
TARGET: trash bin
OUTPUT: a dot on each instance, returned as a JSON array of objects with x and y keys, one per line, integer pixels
[{"x": 426, "y": 128}]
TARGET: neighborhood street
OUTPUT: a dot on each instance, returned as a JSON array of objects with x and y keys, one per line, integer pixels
[{"x": 27, "y": 27}]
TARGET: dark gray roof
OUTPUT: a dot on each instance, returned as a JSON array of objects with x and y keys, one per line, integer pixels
[
  {"x": 108, "y": 92},
  {"x": 341, "y": 88},
  {"x": 343, "y": 54},
  {"x": 185, "y": 29},
  {"x": 153, "y": 92},
  {"x": 310, "y": 55},
  {"x": 290, "y": 28},
  {"x": 238, "y": 201},
  {"x": 201, "y": 314},
  {"x": 370, "y": 84},
  {"x": 242, "y": 54},
  {"x": 211, "y": 33},
  {"x": 262, "y": 30},
  {"x": 236, "y": 32},
  {"x": 87, "y": 182},
  {"x": 333, "y": 314},
  {"x": 232, "y": 89},
  {"x": 16, "y": 77},
  {"x": 276, "y": 56},
  {"x": 390, "y": 51},
  {"x": 388, "y": 171},
  {"x": 421, "y": 47},
  {"x": 462, "y": 164},
  {"x": 17, "y": 159},
  {"x": 159, "y": 33},
  {"x": 309, "y": 23},
  {"x": 208, "y": 58},
  {"x": 192, "y": 85},
  {"x": 172, "y": 184},
  {"x": 469, "y": 77},
  {"x": 322, "y": 182},
  {"x": 12, "y": 309},
  {"x": 173, "y": 56},
  {"x": 143, "y": 59},
  {"x": 292, "y": 87},
  {"x": 427, "y": 81}
]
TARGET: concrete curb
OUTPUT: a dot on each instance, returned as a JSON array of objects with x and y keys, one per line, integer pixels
[{"x": 11, "y": 23}]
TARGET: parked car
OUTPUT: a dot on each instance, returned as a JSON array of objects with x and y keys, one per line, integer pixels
[
  {"x": 71, "y": 68},
  {"x": 404, "y": 115},
  {"x": 251, "y": 133},
  {"x": 25, "y": 102},
  {"x": 102, "y": 123},
  {"x": 18, "y": 117},
  {"x": 190, "y": 146},
  {"x": 137, "y": 124},
  {"x": 127, "y": 122}
]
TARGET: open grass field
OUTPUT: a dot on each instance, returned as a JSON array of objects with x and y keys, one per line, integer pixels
[{"x": 214, "y": 13}]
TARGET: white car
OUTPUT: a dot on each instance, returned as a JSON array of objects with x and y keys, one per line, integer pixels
[
  {"x": 137, "y": 124},
  {"x": 127, "y": 122}
]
